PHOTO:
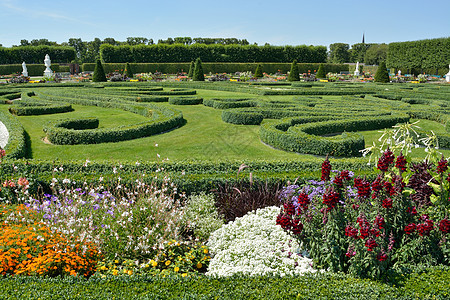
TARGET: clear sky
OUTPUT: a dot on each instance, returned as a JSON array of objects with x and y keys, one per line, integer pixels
[{"x": 292, "y": 22}]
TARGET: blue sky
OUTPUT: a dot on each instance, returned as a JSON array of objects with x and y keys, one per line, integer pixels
[{"x": 300, "y": 22}]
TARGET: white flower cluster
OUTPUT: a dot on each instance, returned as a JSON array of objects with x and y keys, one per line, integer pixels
[{"x": 254, "y": 245}]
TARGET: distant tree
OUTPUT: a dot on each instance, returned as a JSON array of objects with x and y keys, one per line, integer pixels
[
  {"x": 111, "y": 41},
  {"x": 321, "y": 72},
  {"x": 191, "y": 69},
  {"x": 258, "y": 71},
  {"x": 24, "y": 43},
  {"x": 198, "y": 71},
  {"x": 358, "y": 52},
  {"x": 132, "y": 41},
  {"x": 99, "y": 73},
  {"x": 294, "y": 73},
  {"x": 339, "y": 53},
  {"x": 79, "y": 46},
  {"x": 128, "y": 71},
  {"x": 376, "y": 54},
  {"x": 382, "y": 74}
]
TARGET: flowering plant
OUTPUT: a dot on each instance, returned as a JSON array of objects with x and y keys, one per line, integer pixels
[{"x": 364, "y": 227}]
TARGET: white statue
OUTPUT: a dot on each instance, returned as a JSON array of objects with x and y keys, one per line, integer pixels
[
  {"x": 48, "y": 72},
  {"x": 447, "y": 76},
  {"x": 356, "y": 73},
  {"x": 24, "y": 70},
  {"x": 399, "y": 73}
]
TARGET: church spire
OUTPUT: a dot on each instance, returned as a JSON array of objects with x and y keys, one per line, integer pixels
[{"x": 363, "y": 39}]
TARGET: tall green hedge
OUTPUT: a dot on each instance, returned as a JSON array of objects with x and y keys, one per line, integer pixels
[
  {"x": 36, "y": 54},
  {"x": 173, "y": 68},
  {"x": 431, "y": 54},
  {"x": 33, "y": 69},
  {"x": 212, "y": 53}
]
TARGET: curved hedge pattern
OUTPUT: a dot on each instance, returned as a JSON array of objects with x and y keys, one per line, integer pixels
[
  {"x": 300, "y": 135},
  {"x": 16, "y": 146},
  {"x": 29, "y": 106},
  {"x": 185, "y": 100}
]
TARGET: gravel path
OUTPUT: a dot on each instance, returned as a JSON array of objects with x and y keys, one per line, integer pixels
[{"x": 4, "y": 135}]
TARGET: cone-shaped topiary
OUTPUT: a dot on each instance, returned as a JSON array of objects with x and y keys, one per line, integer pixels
[
  {"x": 99, "y": 73},
  {"x": 198, "y": 71},
  {"x": 128, "y": 72},
  {"x": 321, "y": 72},
  {"x": 293, "y": 74},
  {"x": 258, "y": 72},
  {"x": 191, "y": 69},
  {"x": 382, "y": 74}
]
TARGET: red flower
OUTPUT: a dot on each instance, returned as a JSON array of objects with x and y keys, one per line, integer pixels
[
  {"x": 377, "y": 186},
  {"x": 370, "y": 244},
  {"x": 351, "y": 232},
  {"x": 284, "y": 221},
  {"x": 297, "y": 227},
  {"x": 382, "y": 256},
  {"x": 385, "y": 160},
  {"x": 444, "y": 226},
  {"x": 425, "y": 228},
  {"x": 400, "y": 163},
  {"x": 379, "y": 222},
  {"x": 387, "y": 203},
  {"x": 289, "y": 209},
  {"x": 303, "y": 200},
  {"x": 330, "y": 199},
  {"x": 345, "y": 175},
  {"x": 363, "y": 187},
  {"x": 338, "y": 181},
  {"x": 326, "y": 169},
  {"x": 412, "y": 210},
  {"x": 442, "y": 165},
  {"x": 410, "y": 228}
]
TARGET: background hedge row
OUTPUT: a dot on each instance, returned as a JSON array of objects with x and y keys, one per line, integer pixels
[
  {"x": 215, "y": 67},
  {"x": 33, "y": 69},
  {"x": 212, "y": 53},
  {"x": 36, "y": 54}
]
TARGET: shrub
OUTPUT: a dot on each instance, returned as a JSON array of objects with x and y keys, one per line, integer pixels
[
  {"x": 258, "y": 72},
  {"x": 185, "y": 100},
  {"x": 191, "y": 69},
  {"x": 128, "y": 71},
  {"x": 294, "y": 74},
  {"x": 99, "y": 73},
  {"x": 202, "y": 215},
  {"x": 198, "y": 71},
  {"x": 321, "y": 72},
  {"x": 253, "y": 245},
  {"x": 382, "y": 74}
]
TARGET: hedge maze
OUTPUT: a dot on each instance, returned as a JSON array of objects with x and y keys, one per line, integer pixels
[{"x": 309, "y": 118}]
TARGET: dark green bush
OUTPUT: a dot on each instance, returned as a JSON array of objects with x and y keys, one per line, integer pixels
[
  {"x": 191, "y": 69},
  {"x": 185, "y": 100},
  {"x": 128, "y": 71},
  {"x": 198, "y": 71},
  {"x": 99, "y": 73},
  {"x": 321, "y": 72},
  {"x": 258, "y": 72},
  {"x": 382, "y": 74},
  {"x": 294, "y": 73}
]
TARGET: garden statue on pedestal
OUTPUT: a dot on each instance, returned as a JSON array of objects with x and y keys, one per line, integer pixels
[
  {"x": 447, "y": 76},
  {"x": 48, "y": 72},
  {"x": 356, "y": 73},
  {"x": 399, "y": 73},
  {"x": 24, "y": 70}
]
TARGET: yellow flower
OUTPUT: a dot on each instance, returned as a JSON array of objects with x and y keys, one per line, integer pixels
[
  {"x": 184, "y": 274},
  {"x": 125, "y": 271},
  {"x": 130, "y": 272},
  {"x": 153, "y": 263},
  {"x": 116, "y": 261},
  {"x": 176, "y": 269},
  {"x": 114, "y": 272},
  {"x": 168, "y": 262},
  {"x": 199, "y": 265},
  {"x": 205, "y": 250},
  {"x": 103, "y": 268}
]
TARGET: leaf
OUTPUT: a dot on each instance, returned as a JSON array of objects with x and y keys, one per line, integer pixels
[
  {"x": 434, "y": 199},
  {"x": 436, "y": 187}
]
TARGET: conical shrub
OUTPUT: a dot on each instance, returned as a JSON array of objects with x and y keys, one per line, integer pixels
[
  {"x": 191, "y": 69},
  {"x": 258, "y": 72},
  {"x": 382, "y": 74},
  {"x": 128, "y": 72},
  {"x": 198, "y": 71},
  {"x": 99, "y": 73},
  {"x": 321, "y": 72},
  {"x": 294, "y": 74}
]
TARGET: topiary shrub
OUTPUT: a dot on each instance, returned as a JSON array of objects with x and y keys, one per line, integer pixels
[
  {"x": 191, "y": 69},
  {"x": 128, "y": 72},
  {"x": 321, "y": 72},
  {"x": 294, "y": 74},
  {"x": 198, "y": 71},
  {"x": 382, "y": 74},
  {"x": 99, "y": 73},
  {"x": 258, "y": 72}
]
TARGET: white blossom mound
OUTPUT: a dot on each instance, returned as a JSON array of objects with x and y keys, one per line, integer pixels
[{"x": 254, "y": 245}]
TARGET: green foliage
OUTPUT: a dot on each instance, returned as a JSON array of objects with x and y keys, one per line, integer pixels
[
  {"x": 128, "y": 71},
  {"x": 17, "y": 146},
  {"x": 382, "y": 74},
  {"x": 33, "y": 69},
  {"x": 339, "y": 53},
  {"x": 376, "y": 54},
  {"x": 321, "y": 72},
  {"x": 29, "y": 106},
  {"x": 185, "y": 100},
  {"x": 35, "y": 55},
  {"x": 191, "y": 69},
  {"x": 99, "y": 73},
  {"x": 211, "y": 53},
  {"x": 424, "y": 54},
  {"x": 227, "y": 103},
  {"x": 198, "y": 75},
  {"x": 294, "y": 73},
  {"x": 258, "y": 71}
]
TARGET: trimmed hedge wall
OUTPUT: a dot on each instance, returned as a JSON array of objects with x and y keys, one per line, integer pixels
[
  {"x": 36, "y": 54},
  {"x": 300, "y": 135},
  {"x": 33, "y": 69},
  {"x": 227, "y": 103},
  {"x": 215, "y": 67},
  {"x": 29, "y": 106},
  {"x": 185, "y": 100},
  {"x": 211, "y": 53}
]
